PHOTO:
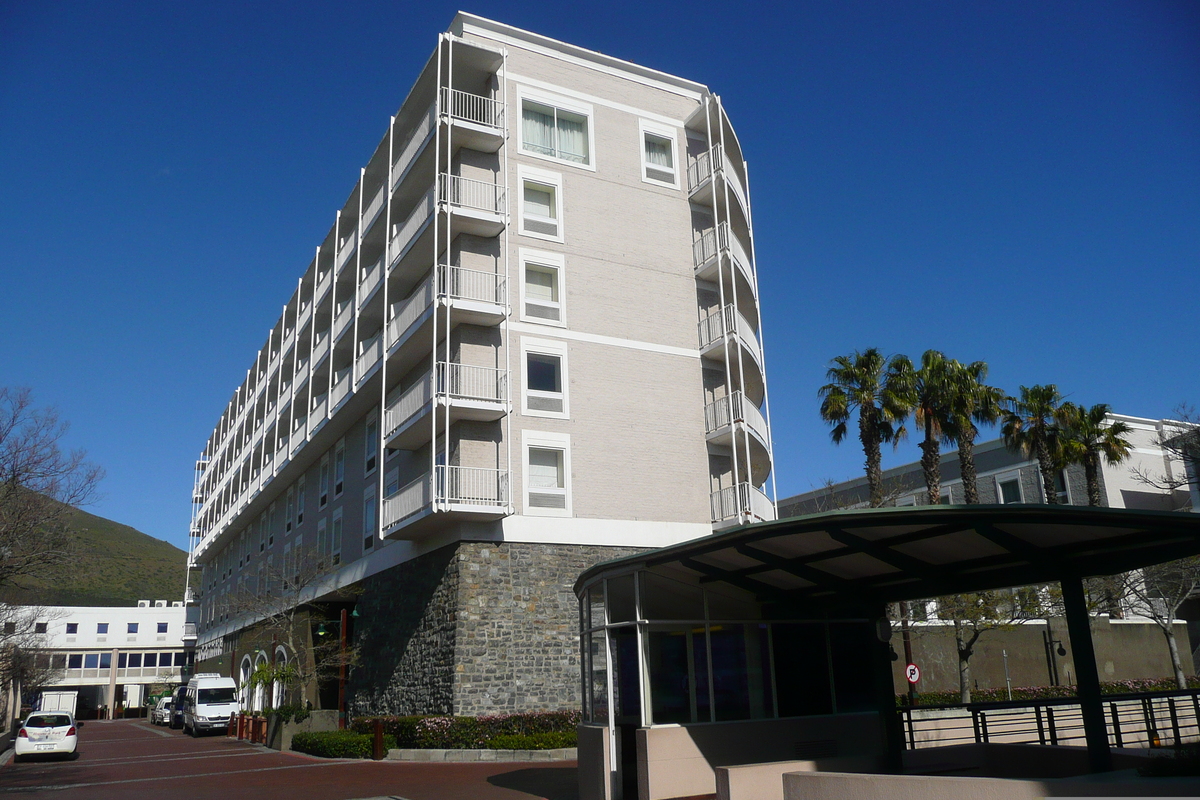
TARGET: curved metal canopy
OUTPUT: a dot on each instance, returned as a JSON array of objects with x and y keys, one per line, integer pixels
[{"x": 909, "y": 553}]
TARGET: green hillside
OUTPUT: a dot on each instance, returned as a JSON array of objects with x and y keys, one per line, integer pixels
[{"x": 111, "y": 565}]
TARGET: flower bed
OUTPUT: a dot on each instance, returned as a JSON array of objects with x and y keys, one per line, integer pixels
[
  {"x": 537, "y": 731},
  {"x": 998, "y": 694}
]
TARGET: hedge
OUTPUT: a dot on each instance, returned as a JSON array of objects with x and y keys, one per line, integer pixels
[
  {"x": 338, "y": 744},
  {"x": 998, "y": 694},
  {"x": 533, "y": 741},
  {"x": 462, "y": 733}
]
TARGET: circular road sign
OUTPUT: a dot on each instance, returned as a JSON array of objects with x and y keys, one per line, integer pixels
[{"x": 913, "y": 673}]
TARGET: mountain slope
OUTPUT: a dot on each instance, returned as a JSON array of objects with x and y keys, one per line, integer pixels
[{"x": 111, "y": 565}]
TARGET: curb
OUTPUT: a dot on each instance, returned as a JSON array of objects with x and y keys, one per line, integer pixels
[{"x": 461, "y": 756}]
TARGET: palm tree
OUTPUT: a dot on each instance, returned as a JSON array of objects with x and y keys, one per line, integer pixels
[
  {"x": 931, "y": 389},
  {"x": 1031, "y": 425},
  {"x": 873, "y": 385},
  {"x": 1085, "y": 438},
  {"x": 972, "y": 401}
]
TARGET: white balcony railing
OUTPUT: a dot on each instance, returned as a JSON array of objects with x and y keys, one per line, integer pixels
[
  {"x": 371, "y": 213},
  {"x": 323, "y": 283},
  {"x": 449, "y": 486},
  {"x": 370, "y": 279},
  {"x": 344, "y": 316},
  {"x": 341, "y": 387},
  {"x": 460, "y": 192},
  {"x": 406, "y": 312},
  {"x": 319, "y": 408},
  {"x": 734, "y": 408},
  {"x": 407, "y": 501},
  {"x": 372, "y": 350},
  {"x": 715, "y": 239},
  {"x": 703, "y": 168},
  {"x": 403, "y": 232},
  {"x": 321, "y": 346},
  {"x": 412, "y": 144},
  {"x": 457, "y": 283},
  {"x": 298, "y": 437},
  {"x": 349, "y": 242},
  {"x": 412, "y": 400},
  {"x": 729, "y": 321},
  {"x": 742, "y": 502},
  {"x": 455, "y": 382},
  {"x": 472, "y": 108}
]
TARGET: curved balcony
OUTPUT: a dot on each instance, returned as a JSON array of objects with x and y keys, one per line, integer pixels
[
  {"x": 462, "y": 492},
  {"x": 740, "y": 504},
  {"x": 733, "y": 421},
  {"x": 722, "y": 332},
  {"x": 708, "y": 170},
  {"x": 464, "y": 391}
]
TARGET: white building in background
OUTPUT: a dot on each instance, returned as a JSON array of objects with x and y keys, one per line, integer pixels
[
  {"x": 107, "y": 654},
  {"x": 530, "y": 341}
]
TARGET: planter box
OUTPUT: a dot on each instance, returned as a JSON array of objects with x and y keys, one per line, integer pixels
[
  {"x": 406, "y": 754},
  {"x": 279, "y": 736}
]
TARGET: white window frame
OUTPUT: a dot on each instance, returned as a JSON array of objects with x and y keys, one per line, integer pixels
[
  {"x": 544, "y": 178},
  {"x": 661, "y": 131},
  {"x": 289, "y": 512},
  {"x": 371, "y": 533},
  {"x": 1064, "y": 497},
  {"x": 543, "y": 259},
  {"x": 545, "y": 440},
  {"x": 545, "y": 347},
  {"x": 339, "y": 460},
  {"x": 323, "y": 487},
  {"x": 906, "y": 501},
  {"x": 1005, "y": 477},
  {"x": 335, "y": 538},
  {"x": 300, "y": 498},
  {"x": 557, "y": 101},
  {"x": 371, "y": 444}
]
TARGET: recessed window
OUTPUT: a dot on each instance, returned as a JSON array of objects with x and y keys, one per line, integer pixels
[
  {"x": 72, "y": 627},
  {"x": 75, "y": 661},
  {"x": 131, "y": 627},
  {"x": 369, "y": 519},
  {"x": 322, "y": 541},
  {"x": 542, "y": 287},
  {"x": 658, "y": 154},
  {"x": 39, "y": 627},
  {"x": 300, "y": 501},
  {"x": 1061, "y": 488},
  {"x": 550, "y": 131},
  {"x": 339, "y": 468},
  {"x": 335, "y": 539},
  {"x": 547, "y": 474},
  {"x": 272, "y": 520},
  {"x": 541, "y": 209},
  {"x": 545, "y": 366},
  {"x": 101, "y": 628},
  {"x": 323, "y": 500},
  {"x": 162, "y": 627},
  {"x": 1009, "y": 490},
  {"x": 371, "y": 446},
  {"x": 289, "y": 510}
]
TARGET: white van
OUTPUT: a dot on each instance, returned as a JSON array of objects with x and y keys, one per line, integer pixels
[{"x": 208, "y": 704}]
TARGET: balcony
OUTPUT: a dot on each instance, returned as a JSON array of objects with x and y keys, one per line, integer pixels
[
  {"x": 724, "y": 323},
  {"x": 477, "y": 298},
  {"x": 728, "y": 420},
  {"x": 341, "y": 388},
  {"x": 464, "y": 391},
  {"x": 349, "y": 244},
  {"x": 478, "y": 121},
  {"x": 320, "y": 347},
  {"x": 405, "y": 233},
  {"x": 720, "y": 244},
  {"x": 740, "y": 504},
  {"x": 373, "y": 209},
  {"x": 323, "y": 283},
  {"x": 476, "y": 206},
  {"x": 304, "y": 316},
  {"x": 702, "y": 174},
  {"x": 412, "y": 146},
  {"x": 370, "y": 282},
  {"x": 463, "y": 492},
  {"x": 371, "y": 352},
  {"x": 343, "y": 318}
]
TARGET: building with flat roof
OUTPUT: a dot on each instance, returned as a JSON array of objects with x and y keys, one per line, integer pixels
[{"x": 529, "y": 342}]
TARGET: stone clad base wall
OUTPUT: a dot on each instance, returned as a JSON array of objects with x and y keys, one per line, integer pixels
[{"x": 473, "y": 628}]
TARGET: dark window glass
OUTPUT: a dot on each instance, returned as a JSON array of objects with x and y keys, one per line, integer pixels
[
  {"x": 627, "y": 703},
  {"x": 670, "y": 687},
  {"x": 162, "y": 627},
  {"x": 91, "y": 660},
  {"x": 101, "y": 628},
  {"x": 802, "y": 664},
  {"x": 218, "y": 695},
  {"x": 122, "y": 660},
  {"x": 853, "y": 678},
  {"x": 150, "y": 660},
  {"x": 663, "y": 598},
  {"x": 180, "y": 659},
  {"x": 135, "y": 660},
  {"x": 132, "y": 627},
  {"x": 543, "y": 373},
  {"x": 72, "y": 627},
  {"x": 620, "y": 599},
  {"x": 75, "y": 661},
  {"x": 10, "y": 628},
  {"x": 39, "y": 627},
  {"x": 105, "y": 660}
]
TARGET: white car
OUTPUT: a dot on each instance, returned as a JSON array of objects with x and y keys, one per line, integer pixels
[
  {"x": 161, "y": 713},
  {"x": 46, "y": 733}
]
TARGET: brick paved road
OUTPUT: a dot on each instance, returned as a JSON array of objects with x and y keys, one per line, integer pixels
[{"x": 131, "y": 758}]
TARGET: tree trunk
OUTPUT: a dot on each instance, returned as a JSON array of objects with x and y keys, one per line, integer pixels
[
  {"x": 1091, "y": 468},
  {"x": 966, "y": 465},
  {"x": 931, "y": 463},
  {"x": 1046, "y": 467},
  {"x": 964, "y": 664},
  {"x": 1180, "y": 679},
  {"x": 869, "y": 435}
]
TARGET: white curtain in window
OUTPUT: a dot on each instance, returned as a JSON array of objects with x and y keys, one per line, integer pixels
[
  {"x": 658, "y": 152},
  {"x": 537, "y": 128},
  {"x": 540, "y": 285},
  {"x": 545, "y": 469},
  {"x": 572, "y": 137},
  {"x": 539, "y": 201}
]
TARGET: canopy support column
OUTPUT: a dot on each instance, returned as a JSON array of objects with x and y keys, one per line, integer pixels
[{"x": 1080, "y": 631}]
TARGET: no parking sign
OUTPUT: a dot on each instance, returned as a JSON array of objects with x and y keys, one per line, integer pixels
[{"x": 913, "y": 673}]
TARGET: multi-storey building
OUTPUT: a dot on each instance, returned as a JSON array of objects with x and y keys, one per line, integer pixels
[{"x": 530, "y": 342}]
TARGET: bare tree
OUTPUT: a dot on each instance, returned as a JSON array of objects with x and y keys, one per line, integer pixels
[
  {"x": 976, "y": 613},
  {"x": 25, "y": 665},
  {"x": 39, "y": 486},
  {"x": 1180, "y": 442},
  {"x": 282, "y": 605},
  {"x": 1157, "y": 592}
]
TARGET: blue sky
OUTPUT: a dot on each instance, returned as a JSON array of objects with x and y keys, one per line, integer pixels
[{"x": 1012, "y": 182}]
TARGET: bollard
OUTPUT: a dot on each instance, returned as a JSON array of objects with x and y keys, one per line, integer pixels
[{"x": 377, "y": 743}]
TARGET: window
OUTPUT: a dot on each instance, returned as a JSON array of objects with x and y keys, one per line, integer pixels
[
  {"x": 541, "y": 206},
  {"x": 322, "y": 541},
  {"x": 545, "y": 366},
  {"x": 1008, "y": 489},
  {"x": 547, "y": 474},
  {"x": 150, "y": 659},
  {"x": 10, "y": 628},
  {"x": 300, "y": 501},
  {"x": 289, "y": 509},
  {"x": 323, "y": 499},
  {"x": 132, "y": 627},
  {"x": 658, "y": 154},
  {"x": 135, "y": 660},
  {"x": 162, "y": 627},
  {"x": 101, "y": 628},
  {"x": 72, "y": 627},
  {"x": 369, "y": 531},
  {"x": 1061, "y": 488},
  {"x": 371, "y": 446},
  {"x": 339, "y": 468},
  {"x": 75, "y": 661},
  {"x": 541, "y": 287},
  {"x": 91, "y": 660},
  {"x": 262, "y": 532},
  {"x": 335, "y": 539},
  {"x": 39, "y": 627},
  {"x": 551, "y": 128}
]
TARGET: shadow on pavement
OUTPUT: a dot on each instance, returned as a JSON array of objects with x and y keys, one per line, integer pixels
[{"x": 551, "y": 783}]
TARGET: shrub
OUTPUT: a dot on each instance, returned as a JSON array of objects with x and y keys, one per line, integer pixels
[
  {"x": 337, "y": 744},
  {"x": 533, "y": 741},
  {"x": 290, "y": 713},
  {"x": 459, "y": 733}
]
